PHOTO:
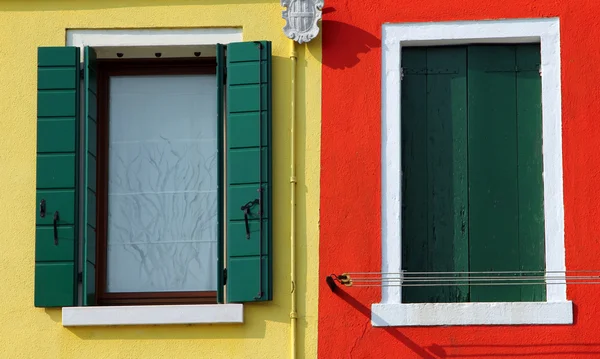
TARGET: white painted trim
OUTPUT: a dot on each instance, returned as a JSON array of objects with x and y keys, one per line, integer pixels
[
  {"x": 519, "y": 313},
  {"x": 153, "y": 37},
  {"x": 153, "y": 315},
  {"x": 544, "y": 31}
]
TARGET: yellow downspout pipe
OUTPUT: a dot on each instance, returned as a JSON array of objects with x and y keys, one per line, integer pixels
[{"x": 293, "y": 312}]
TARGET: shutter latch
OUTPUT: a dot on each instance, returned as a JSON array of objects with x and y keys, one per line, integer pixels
[
  {"x": 246, "y": 209},
  {"x": 43, "y": 208},
  {"x": 56, "y": 219}
]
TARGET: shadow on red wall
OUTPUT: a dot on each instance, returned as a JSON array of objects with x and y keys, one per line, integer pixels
[
  {"x": 479, "y": 350},
  {"x": 418, "y": 350},
  {"x": 341, "y": 53}
]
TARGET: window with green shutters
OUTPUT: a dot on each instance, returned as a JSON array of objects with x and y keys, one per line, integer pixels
[
  {"x": 472, "y": 189},
  {"x": 73, "y": 158}
]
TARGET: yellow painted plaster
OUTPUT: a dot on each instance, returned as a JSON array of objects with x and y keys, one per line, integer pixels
[{"x": 28, "y": 332}]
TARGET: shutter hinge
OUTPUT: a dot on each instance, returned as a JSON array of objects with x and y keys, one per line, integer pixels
[
  {"x": 80, "y": 277},
  {"x": 401, "y": 73},
  {"x": 224, "y": 276}
]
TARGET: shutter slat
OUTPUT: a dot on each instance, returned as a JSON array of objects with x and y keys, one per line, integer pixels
[
  {"x": 221, "y": 66},
  {"x": 493, "y": 176},
  {"x": 249, "y": 259},
  {"x": 448, "y": 232},
  {"x": 414, "y": 170},
  {"x": 89, "y": 253},
  {"x": 53, "y": 129},
  {"x": 56, "y": 176},
  {"x": 530, "y": 168}
]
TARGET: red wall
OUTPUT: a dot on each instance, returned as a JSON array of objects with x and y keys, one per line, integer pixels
[{"x": 350, "y": 181}]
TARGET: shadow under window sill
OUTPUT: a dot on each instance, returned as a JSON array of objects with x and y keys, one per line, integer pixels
[
  {"x": 153, "y": 315},
  {"x": 451, "y": 314}
]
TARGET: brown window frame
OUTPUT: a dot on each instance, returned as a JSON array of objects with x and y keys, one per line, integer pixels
[{"x": 135, "y": 67}]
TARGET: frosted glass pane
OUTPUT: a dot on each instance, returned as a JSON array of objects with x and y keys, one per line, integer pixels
[{"x": 162, "y": 184}]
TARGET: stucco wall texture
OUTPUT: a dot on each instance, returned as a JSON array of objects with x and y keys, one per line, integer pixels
[
  {"x": 28, "y": 332},
  {"x": 351, "y": 181}
]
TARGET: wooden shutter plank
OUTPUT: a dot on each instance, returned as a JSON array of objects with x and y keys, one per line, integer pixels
[
  {"x": 246, "y": 51},
  {"x": 243, "y": 165},
  {"x": 56, "y": 78},
  {"x": 90, "y": 141},
  {"x": 447, "y": 167},
  {"x": 46, "y": 250},
  {"x": 249, "y": 265},
  {"x": 57, "y": 56},
  {"x": 530, "y": 168},
  {"x": 56, "y": 200},
  {"x": 242, "y": 279},
  {"x": 237, "y": 229},
  {"x": 57, "y": 103},
  {"x": 55, "y": 284},
  {"x": 415, "y": 254},
  {"x": 249, "y": 191},
  {"x": 435, "y": 207},
  {"x": 56, "y": 128},
  {"x": 55, "y": 170},
  {"x": 244, "y": 73},
  {"x": 247, "y": 97},
  {"x": 221, "y": 67},
  {"x": 243, "y": 129},
  {"x": 493, "y": 177},
  {"x": 56, "y": 176}
]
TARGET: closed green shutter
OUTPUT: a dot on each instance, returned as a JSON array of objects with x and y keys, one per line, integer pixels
[
  {"x": 56, "y": 177},
  {"x": 505, "y": 168},
  {"x": 248, "y": 174},
  {"x": 472, "y": 186},
  {"x": 89, "y": 206},
  {"x": 434, "y": 159}
]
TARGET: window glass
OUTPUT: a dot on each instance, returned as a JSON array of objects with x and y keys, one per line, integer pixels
[{"x": 162, "y": 184}]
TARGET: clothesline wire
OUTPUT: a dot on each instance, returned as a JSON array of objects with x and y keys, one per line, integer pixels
[
  {"x": 471, "y": 272},
  {"x": 446, "y": 279},
  {"x": 466, "y": 278},
  {"x": 463, "y": 284}
]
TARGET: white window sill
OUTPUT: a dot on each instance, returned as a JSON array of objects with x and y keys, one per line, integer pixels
[
  {"x": 432, "y": 314},
  {"x": 153, "y": 315}
]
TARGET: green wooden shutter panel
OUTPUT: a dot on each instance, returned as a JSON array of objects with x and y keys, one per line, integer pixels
[
  {"x": 530, "y": 169},
  {"x": 89, "y": 252},
  {"x": 505, "y": 167},
  {"x": 472, "y": 167},
  {"x": 56, "y": 176},
  {"x": 248, "y": 86},
  {"x": 434, "y": 157}
]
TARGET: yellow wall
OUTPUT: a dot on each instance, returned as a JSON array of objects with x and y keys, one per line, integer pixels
[{"x": 28, "y": 332}]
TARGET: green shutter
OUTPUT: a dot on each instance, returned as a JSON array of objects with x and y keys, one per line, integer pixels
[
  {"x": 248, "y": 158},
  {"x": 89, "y": 206},
  {"x": 56, "y": 177},
  {"x": 434, "y": 158},
  {"x": 493, "y": 181},
  {"x": 505, "y": 167},
  {"x": 472, "y": 186},
  {"x": 220, "y": 143},
  {"x": 530, "y": 160}
]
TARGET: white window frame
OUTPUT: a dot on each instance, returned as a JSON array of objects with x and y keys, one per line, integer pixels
[
  {"x": 391, "y": 311},
  {"x": 163, "y": 314}
]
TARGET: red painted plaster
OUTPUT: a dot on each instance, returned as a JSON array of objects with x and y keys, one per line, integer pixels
[{"x": 350, "y": 181}]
